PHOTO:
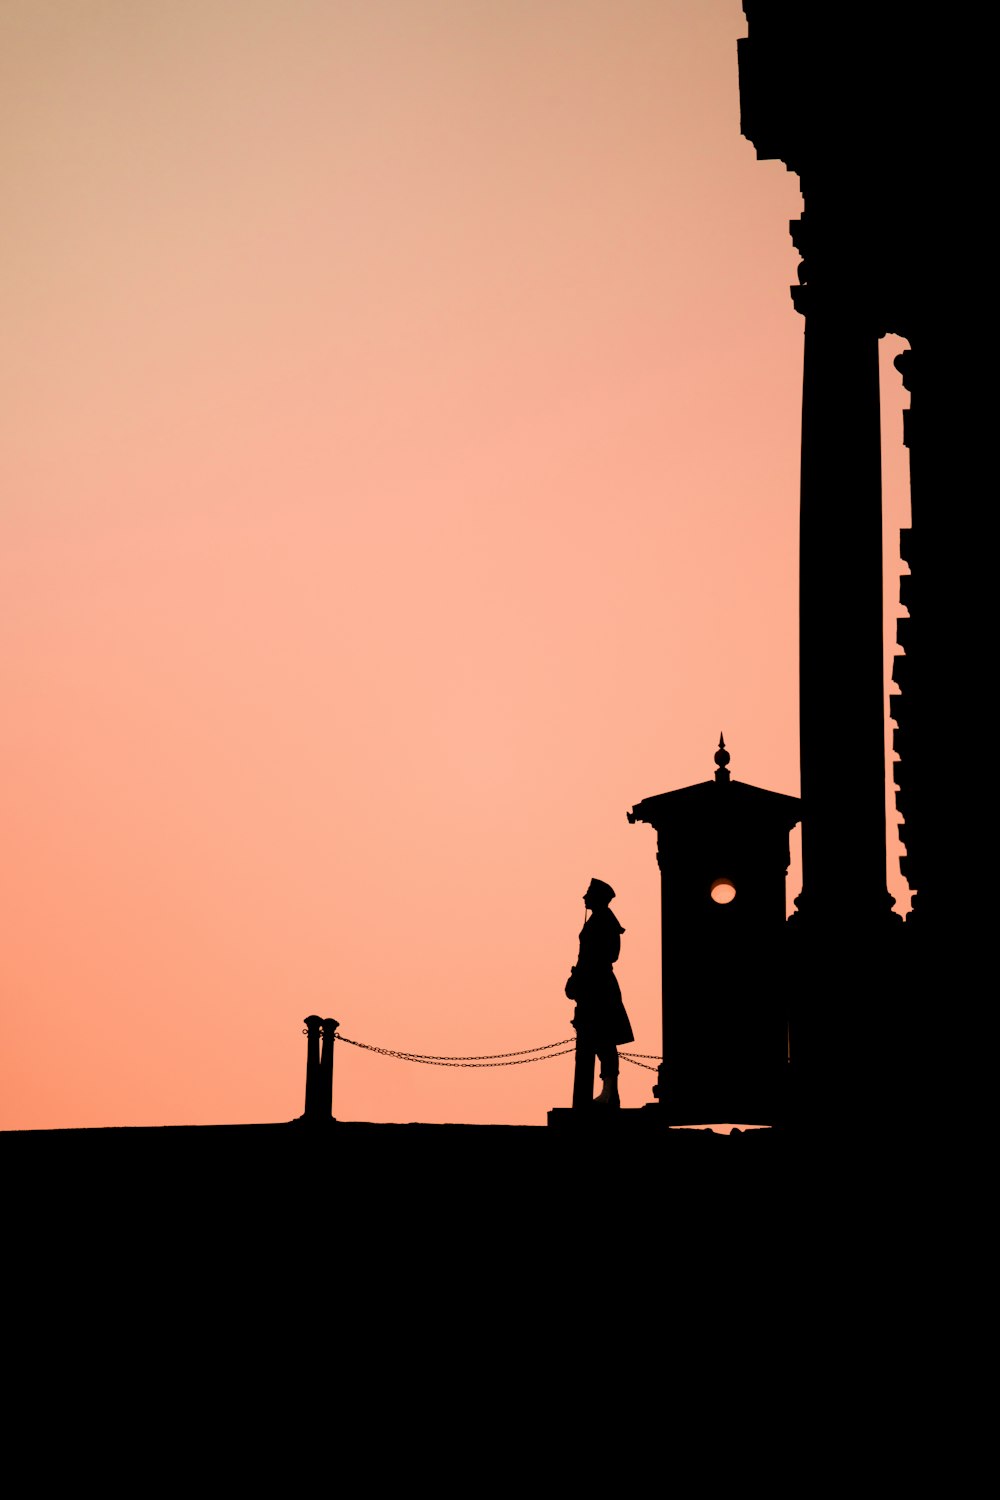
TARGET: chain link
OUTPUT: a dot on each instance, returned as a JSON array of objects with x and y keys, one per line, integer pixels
[
  {"x": 476, "y": 1056},
  {"x": 492, "y": 1059},
  {"x": 482, "y": 1060}
]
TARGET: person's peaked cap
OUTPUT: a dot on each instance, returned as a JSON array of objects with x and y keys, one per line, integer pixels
[{"x": 602, "y": 889}]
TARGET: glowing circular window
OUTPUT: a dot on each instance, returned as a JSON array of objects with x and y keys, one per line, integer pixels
[{"x": 722, "y": 892}]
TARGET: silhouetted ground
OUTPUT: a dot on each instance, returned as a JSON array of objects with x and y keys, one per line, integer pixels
[
  {"x": 353, "y": 1193},
  {"x": 455, "y": 1295}
]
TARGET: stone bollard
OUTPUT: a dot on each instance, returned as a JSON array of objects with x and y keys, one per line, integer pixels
[
  {"x": 325, "y": 1087},
  {"x": 319, "y": 1067}
]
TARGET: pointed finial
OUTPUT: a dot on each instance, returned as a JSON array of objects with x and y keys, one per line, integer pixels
[{"x": 722, "y": 760}]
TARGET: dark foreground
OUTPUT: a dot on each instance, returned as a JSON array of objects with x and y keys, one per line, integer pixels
[
  {"x": 351, "y": 1198},
  {"x": 460, "y": 1296}
]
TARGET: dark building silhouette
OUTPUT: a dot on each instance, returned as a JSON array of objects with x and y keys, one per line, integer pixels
[
  {"x": 723, "y": 853},
  {"x": 879, "y": 108}
]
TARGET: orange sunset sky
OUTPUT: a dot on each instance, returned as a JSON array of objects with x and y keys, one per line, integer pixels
[{"x": 399, "y": 470}]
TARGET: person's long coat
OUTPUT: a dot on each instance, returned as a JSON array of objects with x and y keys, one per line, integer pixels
[{"x": 600, "y": 1012}]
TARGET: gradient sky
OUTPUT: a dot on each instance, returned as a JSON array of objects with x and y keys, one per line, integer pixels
[{"x": 399, "y": 467}]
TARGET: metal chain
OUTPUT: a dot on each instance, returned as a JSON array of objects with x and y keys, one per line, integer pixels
[
  {"x": 483, "y": 1060},
  {"x": 460, "y": 1057},
  {"x": 628, "y": 1057},
  {"x": 492, "y": 1059},
  {"x": 482, "y": 1056}
]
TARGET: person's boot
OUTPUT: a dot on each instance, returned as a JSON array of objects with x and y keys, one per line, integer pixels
[{"x": 609, "y": 1094}]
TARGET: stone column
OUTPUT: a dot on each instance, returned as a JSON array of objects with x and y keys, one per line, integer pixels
[
  {"x": 842, "y": 703},
  {"x": 313, "y": 1103},
  {"x": 325, "y": 1088}
]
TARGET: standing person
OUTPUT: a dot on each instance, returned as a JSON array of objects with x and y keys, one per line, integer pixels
[{"x": 601, "y": 1020}]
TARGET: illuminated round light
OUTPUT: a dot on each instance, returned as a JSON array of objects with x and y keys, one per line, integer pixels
[{"x": 723, "y": 891}]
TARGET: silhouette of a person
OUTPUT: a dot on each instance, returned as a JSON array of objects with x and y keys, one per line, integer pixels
[{"x": 601, "y": 1020}]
